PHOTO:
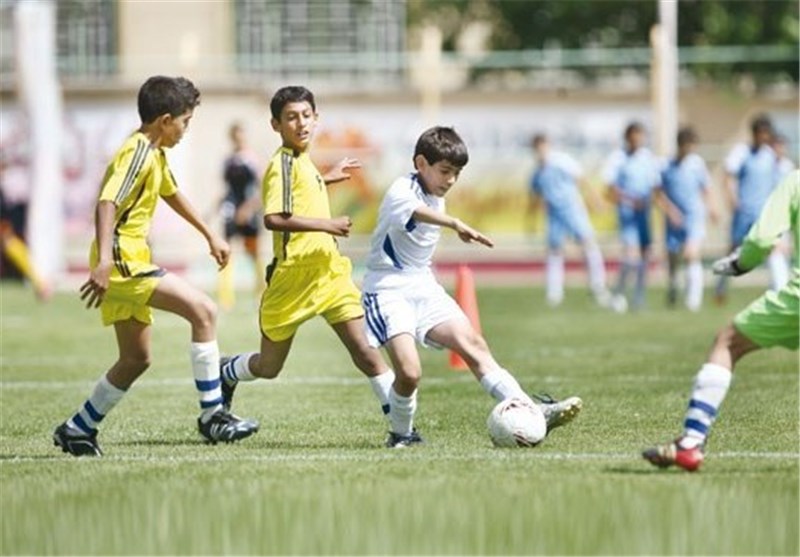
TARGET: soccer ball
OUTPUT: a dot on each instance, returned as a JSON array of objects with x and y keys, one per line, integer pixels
[{"x": 516, "y": 423}]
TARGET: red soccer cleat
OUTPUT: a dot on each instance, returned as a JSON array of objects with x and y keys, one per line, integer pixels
[{"x": 672, "y": 453}]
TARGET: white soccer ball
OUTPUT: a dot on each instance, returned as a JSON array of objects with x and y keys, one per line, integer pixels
[{"x": 516, "y": 423}]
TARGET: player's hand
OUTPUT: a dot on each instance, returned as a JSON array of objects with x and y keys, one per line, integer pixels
[
  {"x": 675, "y": 218},
  {"x": 94, "y": 289},
  {"x": 340, "y": 226},
  {"x": 728, "y": 265},
  {"x": 220, "y": 250},
  {"x": 467, "y": 234},
  {"x": 340, "y": 171}
]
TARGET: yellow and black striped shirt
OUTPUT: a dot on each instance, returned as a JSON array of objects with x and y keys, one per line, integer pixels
[
  {"x": 137, "y": 176},
  {"x": 293, "y": 186}
]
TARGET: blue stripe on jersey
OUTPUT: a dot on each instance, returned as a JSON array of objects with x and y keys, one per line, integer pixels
[
  {"x": 411, "y": 225},
  {"x": 703, "y": 406},
  {"x": 206, "y": 385},
  {"x": 696, "y": 425},
  {"x": 388, "y": 248},
  {"x": 92, "y": 411}
]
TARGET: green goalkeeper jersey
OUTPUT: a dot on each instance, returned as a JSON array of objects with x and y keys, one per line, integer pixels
[{"x": 780, "y": 213}]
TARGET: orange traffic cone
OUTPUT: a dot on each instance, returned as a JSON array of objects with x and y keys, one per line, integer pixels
[{"x": 466, "y": 298}]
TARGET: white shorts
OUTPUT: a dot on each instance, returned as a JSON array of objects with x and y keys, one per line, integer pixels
[{"x": 413, "y": 309}]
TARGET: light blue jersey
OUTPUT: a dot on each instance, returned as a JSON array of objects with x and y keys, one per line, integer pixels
[
  {"x": 555, "y": 181},
  {"x": 636, "y": 175},
  {"x": 683, "y": 182},
  {"x": 756, "y": 172}
]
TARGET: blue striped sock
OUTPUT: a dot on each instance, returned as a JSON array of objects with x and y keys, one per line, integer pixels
[
  {"x": 711, "y": 386},
  {"x": 103, "y": 398}
]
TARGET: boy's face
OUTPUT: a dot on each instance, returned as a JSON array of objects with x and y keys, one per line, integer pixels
[
  {"x": 173, "y": 127},
  {"x": 296, "y": 125},
  {"x": 635, "y": 139},
  {"x": 437, "y": 178},
  {"x": 685, "y": 148}
]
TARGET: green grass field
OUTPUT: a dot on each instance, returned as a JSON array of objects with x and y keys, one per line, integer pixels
[{"x": 317, "y": 480}]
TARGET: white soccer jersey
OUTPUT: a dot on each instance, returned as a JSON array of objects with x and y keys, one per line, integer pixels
[{"x": 400, "y": 244}]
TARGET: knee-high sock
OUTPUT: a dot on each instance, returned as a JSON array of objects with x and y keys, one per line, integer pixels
[
  {"x": 103, "y": 398},
  {"x": 555, "y": 278},
  {"x": 401, "y": 412},
  {"x": 694, "y": 285},
  {"x": 381, "y": 385},
  {"x": 596, "y": 269},
  {"x": 710, "y": 387},
  {"x": 641, "y": 282},
  {"x": 205, "y": 368},
  {"x": 500, "y": 384},
  {"x": 238, "y": 368},
  {"x": 628, "y": 265}
]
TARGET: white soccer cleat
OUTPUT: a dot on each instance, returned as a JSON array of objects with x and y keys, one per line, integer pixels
[{"x": 558, "y": 412}]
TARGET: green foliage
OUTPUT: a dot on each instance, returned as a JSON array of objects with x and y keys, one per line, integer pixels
[
  {"x": 316, "y": 479},
  {"x": 538, "y": 24}
]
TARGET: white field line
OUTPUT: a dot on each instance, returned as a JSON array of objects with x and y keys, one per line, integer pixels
[
  {"x": 11, "y": 385},
  {"x": 387, "y": 455}
]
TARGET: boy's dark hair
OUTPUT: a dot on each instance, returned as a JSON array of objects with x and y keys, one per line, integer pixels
[
  {"x": 290, "y": 94},
  {"x": 538, "y": 139},
  {"x": 761, "y": 122},
  {"x": 687, "y": 135},
  {"x": 632, "y": 128},
  {"x": 442, "y": 144},
  {"x": 166, "y": 95}
]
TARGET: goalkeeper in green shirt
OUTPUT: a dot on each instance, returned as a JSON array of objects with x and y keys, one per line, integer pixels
[{"x": 771, "y": 320}]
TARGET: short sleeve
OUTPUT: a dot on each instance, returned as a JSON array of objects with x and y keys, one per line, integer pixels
[
  {"x": 612, "y": 166},
  {"x": 169, "y": 186},
  {"x": 569, "y": 165},
  {"x": 122, "y": 172},
  {"x": 735, "y": 159},
  {"x": 276, "y": 188},
  {"x": 401, "y": 202}
]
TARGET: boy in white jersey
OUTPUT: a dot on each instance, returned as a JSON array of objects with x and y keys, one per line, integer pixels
[{"x": 403, "y": 302}]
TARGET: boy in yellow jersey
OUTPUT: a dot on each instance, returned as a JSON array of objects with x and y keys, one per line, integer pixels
[
  {"x": 125, "y": 284},
  {"x": 308, "y": 276}
]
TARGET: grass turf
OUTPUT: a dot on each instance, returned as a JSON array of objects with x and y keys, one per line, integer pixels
[{"x": 317, "y": 480}]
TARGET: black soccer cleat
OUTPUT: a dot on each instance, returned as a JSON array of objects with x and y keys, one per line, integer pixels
[
  {"x": 226, "y": 388},
  {"x": 76, "y": 443},
  {"x": 225, "y": 427},
  {"x": 397, "y": 441}
]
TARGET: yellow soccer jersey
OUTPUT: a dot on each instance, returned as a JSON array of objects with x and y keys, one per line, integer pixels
[
  {"x": 134, "y": 180},
  {"x": 293, "y": 186}
]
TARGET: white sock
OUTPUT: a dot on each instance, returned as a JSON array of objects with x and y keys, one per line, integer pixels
[
  {"x": 555, "y": 278},
  {"x": 381, "y": 385},
  {"x": 500, "y": 384},
  {"x": 238, "y": 368},
  {"x": 778, "y": 270},
  {"x": 641, "y": 283},
  {"x": 205, "y": 368},
  {"x": 401, "y": 412},
  {"x": 710, "y": 387},
  {"x": 694, "y": 285},
  {"x": 596, "y": 268},
  {"x": 104, "y": 397}
]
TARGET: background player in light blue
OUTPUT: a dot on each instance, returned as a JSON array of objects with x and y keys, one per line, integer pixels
[
  {"x": 555, "y": 182},
  {"x": 632, "y": 173},
  {"x": 752, "y": 171},
  {"x": 684, "y": 184}
]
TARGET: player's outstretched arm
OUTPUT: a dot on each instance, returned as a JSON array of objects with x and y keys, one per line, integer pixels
[
  {"x": 285, "y": 222},
  {"x": 219, "y": 248},
  {"x": 341, "y": 170},
  {"x": 465, "y": 232}
]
